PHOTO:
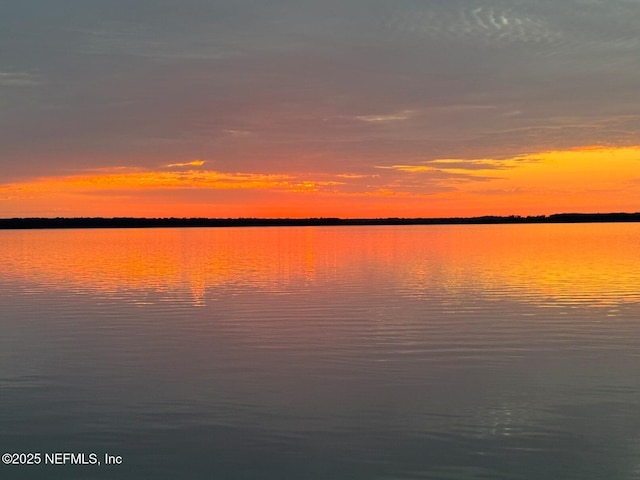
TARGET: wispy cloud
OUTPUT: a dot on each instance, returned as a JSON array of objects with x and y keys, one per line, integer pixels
[
  {"x": 135, "y": 179},
  {"x": 452, "y": 164},
  {"x": 391, "y": 117},
  {"x": 18, "y": 79},
  {"x": 487, "y": 22},
  {"x": 461, "y": 164},
  {"x": 193, "y": 163}
]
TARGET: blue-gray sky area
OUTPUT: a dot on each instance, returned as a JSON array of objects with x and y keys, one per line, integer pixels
[{"x": 327, "y": 86}]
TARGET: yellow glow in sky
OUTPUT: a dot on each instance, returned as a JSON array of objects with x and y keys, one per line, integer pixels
[{"x": 591, "y": 179}]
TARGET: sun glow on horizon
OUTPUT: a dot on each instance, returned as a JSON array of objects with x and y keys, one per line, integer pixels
[{"x": 580, "y": 179}]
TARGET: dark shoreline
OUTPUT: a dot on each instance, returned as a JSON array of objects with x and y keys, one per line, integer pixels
[{"x": 128, "y": 222}]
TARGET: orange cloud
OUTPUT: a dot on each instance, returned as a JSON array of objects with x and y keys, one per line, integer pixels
[
  {"x": 193, "y": 163},
  {"x": 585, "y": 179},
  {"x": 134, "y": 180}
]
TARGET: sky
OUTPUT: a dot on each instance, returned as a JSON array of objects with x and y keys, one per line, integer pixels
[{"x": 319, "y": 108}]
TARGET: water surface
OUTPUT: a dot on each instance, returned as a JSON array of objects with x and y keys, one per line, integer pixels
[{"x": 387, "y": 352}]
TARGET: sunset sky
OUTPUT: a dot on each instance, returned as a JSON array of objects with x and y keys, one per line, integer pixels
[{"x": 305, "y": 108}]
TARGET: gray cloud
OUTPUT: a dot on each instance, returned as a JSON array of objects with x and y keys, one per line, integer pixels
[
  {"x": 18, "y": 79},
  {"x": 319, "y": 86}
]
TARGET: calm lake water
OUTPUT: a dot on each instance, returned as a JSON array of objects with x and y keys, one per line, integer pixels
[{"x": 411, "y": 352}]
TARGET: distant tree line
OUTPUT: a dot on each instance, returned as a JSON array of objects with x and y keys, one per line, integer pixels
[{"x": 129, "y": 222}]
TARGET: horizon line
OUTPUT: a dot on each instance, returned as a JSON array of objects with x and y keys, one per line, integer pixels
[{"x": 159, "y": 222}]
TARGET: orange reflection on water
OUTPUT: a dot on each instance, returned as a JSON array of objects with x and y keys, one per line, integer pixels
[
  {"x": 592, "y": 264},
  {"x": 173, "y": 261},
  {"x": 582, "y": 263}
]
